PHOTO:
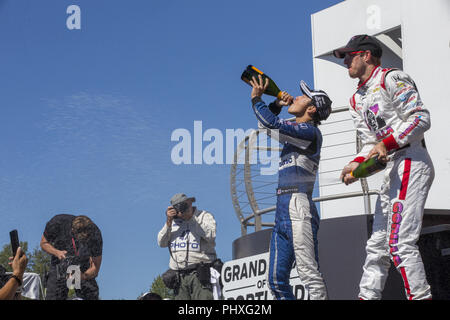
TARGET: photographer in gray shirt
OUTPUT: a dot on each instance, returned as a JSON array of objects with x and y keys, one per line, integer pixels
[{"x": 190, "y": 235}]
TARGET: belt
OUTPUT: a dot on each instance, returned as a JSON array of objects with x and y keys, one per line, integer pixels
[
  {"x": 186, "y": 271},
  {"x": 287, "y": 190},
  {"x": 409, "y": 145},
  {"x": 193, "y": 268},
  {"x": 404, "y": 147}
]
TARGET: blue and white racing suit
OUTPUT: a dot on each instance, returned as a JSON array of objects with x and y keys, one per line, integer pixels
[{"x": 294, "y": 237}]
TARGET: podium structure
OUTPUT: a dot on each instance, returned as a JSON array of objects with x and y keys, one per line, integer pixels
[{"x": 347, "y": 211}]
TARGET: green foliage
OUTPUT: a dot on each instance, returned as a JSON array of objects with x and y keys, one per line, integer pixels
[
  {"x": 160, "y": 288},
  {"x": 38, "y": 260},
  {"x": 6, "y": 253}
]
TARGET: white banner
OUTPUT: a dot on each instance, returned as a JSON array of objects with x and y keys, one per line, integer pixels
[{"x": 246, "y": 279}]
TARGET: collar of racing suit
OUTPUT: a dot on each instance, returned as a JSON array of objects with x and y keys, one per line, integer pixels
[{"x": 372, "y": 75}]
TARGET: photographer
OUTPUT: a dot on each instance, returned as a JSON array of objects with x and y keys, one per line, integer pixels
[
  {"x": 190, "y": 235},
  {"x": 72, "y": 240},
  {"x": 18, "y": 265}
]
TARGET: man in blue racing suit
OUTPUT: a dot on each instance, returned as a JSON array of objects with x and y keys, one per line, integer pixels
[{"x": 294, "y": 236}]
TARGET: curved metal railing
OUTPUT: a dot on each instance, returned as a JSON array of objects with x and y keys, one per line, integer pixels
[{"x": 247, "y": 184}]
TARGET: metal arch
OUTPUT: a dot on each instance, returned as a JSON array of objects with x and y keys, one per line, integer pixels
[
  {"x": 248, "y": 144},
  {"x": 234, "y": 193},
  {"x": 257, "y": 213},
  {"x": 248, "y": 179}
]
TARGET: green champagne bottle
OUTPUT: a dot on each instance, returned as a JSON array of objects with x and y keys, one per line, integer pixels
[
  {"x": 251, "y": 71},
  {"x": 368, "y": 168}
]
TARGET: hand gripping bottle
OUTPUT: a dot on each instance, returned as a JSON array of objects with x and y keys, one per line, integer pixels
[
  {"x": 368, "y": 168},
  {"x": 272, "y": 88}
]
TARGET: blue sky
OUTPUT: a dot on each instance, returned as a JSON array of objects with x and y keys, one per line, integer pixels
[{"x": 87, "y": 115}]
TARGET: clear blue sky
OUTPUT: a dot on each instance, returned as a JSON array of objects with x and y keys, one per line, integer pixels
[{"x": 87, "y": 115}]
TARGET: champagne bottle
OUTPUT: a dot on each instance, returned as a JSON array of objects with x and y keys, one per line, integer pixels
[
  {"x": 368, "y": 168},
  {"x": 272, "y": 88}
]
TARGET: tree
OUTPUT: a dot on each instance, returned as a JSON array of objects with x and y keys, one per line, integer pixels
[
  {"x": 7, "y": 252},
  {"x": 160, "y": 288},
  {"x": 38, "y": 260}
]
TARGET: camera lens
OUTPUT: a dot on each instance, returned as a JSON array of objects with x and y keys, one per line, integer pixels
[{"x": 181, "y": 207}]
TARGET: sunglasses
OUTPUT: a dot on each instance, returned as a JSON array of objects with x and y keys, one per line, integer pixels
[{"x": 354, "y": 53}]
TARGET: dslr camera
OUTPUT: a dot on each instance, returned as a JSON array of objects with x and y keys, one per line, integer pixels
[{"x": 181, "y": 207}]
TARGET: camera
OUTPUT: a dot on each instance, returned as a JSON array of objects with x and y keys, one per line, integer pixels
[{"x": 181, "y": 207}]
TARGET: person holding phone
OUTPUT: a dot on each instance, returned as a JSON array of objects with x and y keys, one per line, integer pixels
[
  {"x": 18, "y": 264},
  {"x": 190, "y": 235}
]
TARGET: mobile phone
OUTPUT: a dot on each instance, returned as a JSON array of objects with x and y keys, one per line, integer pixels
[{"x": 14, "y": 235}]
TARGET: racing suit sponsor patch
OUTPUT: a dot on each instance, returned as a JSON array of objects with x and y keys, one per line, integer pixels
[
  {"x": 384, "y": 133},
  {"x": 374, "y": 121},
  {"x": 299, "y": 160},
  {"x": 397, "y": 209},
  {"x": 287, "y": 190},
  {"x": 410, "y": 127}
]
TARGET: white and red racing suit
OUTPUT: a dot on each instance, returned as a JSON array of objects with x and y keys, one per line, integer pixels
[{"x": 387, "y": 107}]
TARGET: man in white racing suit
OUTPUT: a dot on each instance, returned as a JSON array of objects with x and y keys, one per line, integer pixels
[{"x": 391, "y": 120}]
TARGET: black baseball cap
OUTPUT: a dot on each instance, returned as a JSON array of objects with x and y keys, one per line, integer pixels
[
  {"x": 358, "y": 43},
  {"x": 319, "y": 99}
]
